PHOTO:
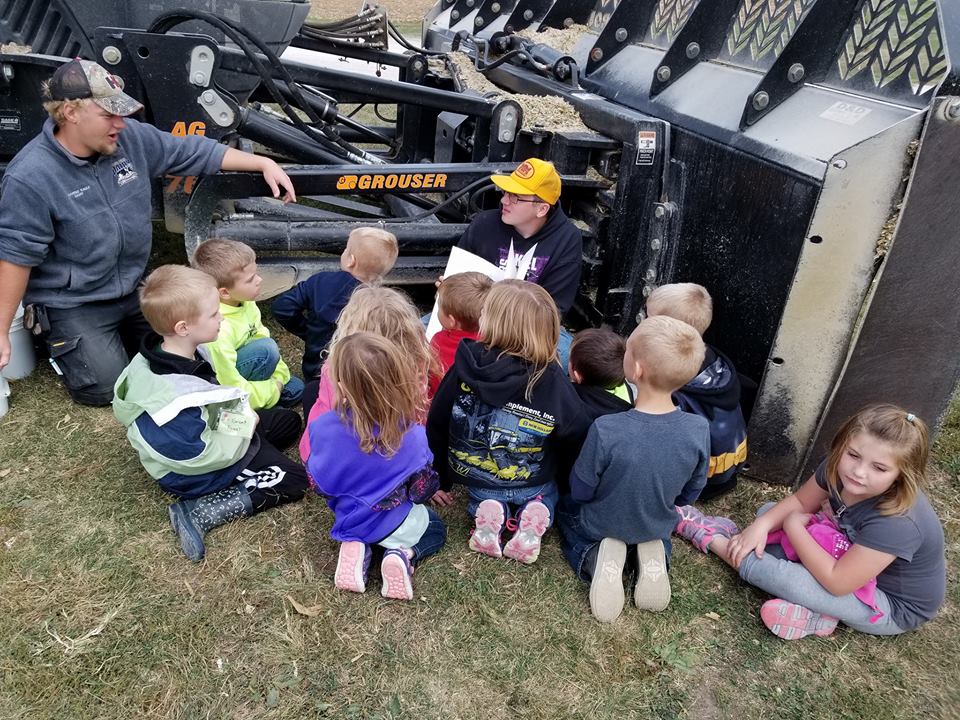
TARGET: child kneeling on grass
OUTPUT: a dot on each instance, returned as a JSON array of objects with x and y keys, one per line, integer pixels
[
  {"x": 872, "y": 479},
  {"x": 634, "y": 468},
  {"x": 200, "y": 440},
  {"x": 505, "y": 421},
  {"x": 370, "y": 459}
]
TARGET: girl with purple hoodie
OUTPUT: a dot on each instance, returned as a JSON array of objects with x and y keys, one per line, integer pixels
[{"x": 370, "y": 459}]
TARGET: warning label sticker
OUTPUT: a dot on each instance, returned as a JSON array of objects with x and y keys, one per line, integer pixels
[
  {"x": 646, "y": 147},
  {"x": 846, "y": 113}
]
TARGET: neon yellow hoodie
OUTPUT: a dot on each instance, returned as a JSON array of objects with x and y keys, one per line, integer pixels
[{"x": 241, "y": 324}]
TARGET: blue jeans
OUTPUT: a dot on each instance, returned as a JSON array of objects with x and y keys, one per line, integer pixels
[
  {"x": 514, "y": 498},
  {"x": 578, "y": 546},
  {"x": 257, "y": 360},
  {"x": 431, "y": 541},
  {"x": 792, "y": 582}
]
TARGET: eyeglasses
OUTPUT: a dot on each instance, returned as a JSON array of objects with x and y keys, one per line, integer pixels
[{"x": 513, "y": 199}]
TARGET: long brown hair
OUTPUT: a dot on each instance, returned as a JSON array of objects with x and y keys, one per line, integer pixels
[
  {"x": 521, "y": 319},
  {"x": 910, "y": 439},
  {"x": 378, "y": 390},
  {"x": 390, "y": 314}
]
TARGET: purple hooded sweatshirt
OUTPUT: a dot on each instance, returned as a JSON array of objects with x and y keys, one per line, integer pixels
[{"x": 362, "y": 488}]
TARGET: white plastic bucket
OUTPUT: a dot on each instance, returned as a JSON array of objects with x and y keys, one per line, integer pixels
[
  {"x": 4, "y": 394},
  {"x": 22, "y": 359}
]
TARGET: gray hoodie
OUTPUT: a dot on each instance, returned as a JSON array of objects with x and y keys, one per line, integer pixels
[{"x": 84, "y": 225}]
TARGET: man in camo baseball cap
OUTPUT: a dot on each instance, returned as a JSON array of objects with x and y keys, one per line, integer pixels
[{"x": 82, "y": 79}]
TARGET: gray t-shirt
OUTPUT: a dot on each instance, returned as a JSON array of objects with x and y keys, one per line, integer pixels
[
  {"x": 640, "y": 464},
  {"x": 915, "y": 582}
]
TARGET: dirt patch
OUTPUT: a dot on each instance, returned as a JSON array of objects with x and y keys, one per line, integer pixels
[
  {"x": 397, "y": 11},
  {"x": 14, "y": 49},
  {"x": 563, "y": 41}
]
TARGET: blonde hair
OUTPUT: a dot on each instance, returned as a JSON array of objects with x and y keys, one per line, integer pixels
[
  {"x": 172, "y": 293},
  {"x": 379, "y": 393},
  {"x": 222, "y": 260},
  {"x": 670, "y": 352},
  {"x": 56, "y": 109},
  {"x": 684, "y": 301},
  {"x": 375, "y": 251},
  {"x": 910, "y": 439},
  {"x": 521, "y": 319},
  {"x": 461, "y": 297},
  {"x": 389, "y": 313}
]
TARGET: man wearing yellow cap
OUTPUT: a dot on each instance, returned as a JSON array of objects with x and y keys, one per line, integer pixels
[
  {"x": 529, "y": 237},
  {"x": 75, "y": 230}
]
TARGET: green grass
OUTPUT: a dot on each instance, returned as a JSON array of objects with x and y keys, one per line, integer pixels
[{"x": 102, "y": 617}]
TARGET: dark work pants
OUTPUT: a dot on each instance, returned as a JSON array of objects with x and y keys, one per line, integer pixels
[{"x": 92, "y": 344}]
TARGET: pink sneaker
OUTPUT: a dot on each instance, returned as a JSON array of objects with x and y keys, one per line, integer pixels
[
  {"x": 524, "y": 546},
  {"x": 790, "y": 621},
  {"x": 397, "y": 573},
  {"x": 352, "y": 565},
  {"x": 700, "y": 529},
  {"x": 485, "y": 538}
]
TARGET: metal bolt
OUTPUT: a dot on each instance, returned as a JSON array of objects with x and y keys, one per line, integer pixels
[
  {"x": 495, "y": 7},
  {"x": 952, "y": 110},
  {"x": 418, "y": 64},
  {"x": 203, "y": 56},
  {"x": 568, "y": 22},
  {"x": 224, "y": 117},
  {"x": 796, "y": 72},
  {"x": 528, "y": 14},
  {"x": 596, "y": 54},
  {"x": 647, "y": 289},
  {"x": 208, "y": 96},
  {"x": 655, "y": 244},
  {"x": 621, "y": 34},
  {"x": 478, "y": 22},
  {"x": 8, "y": 72},
  {"x": 839, "y": 164},
  {"x": 663, "y": 73},
  {"x": 761, "y": 100},
  {"x": 659, "y": 211},
  {"x": 199, "y": 79},
  {"x": 693, "y": 50},
  {"x": 651, "y": 274},
  {"x": 455, "y": 15},
  {"x": 111, "y": 55},
  {"x": 470, "y": 3}
]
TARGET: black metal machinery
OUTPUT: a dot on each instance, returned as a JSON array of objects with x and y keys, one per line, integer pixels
[{"x": 794, "y": 156}]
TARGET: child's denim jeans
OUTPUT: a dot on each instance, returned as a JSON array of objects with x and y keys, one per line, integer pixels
[
  {"x": 514, "y": 498},
  {"x": 258, "y": 359}
]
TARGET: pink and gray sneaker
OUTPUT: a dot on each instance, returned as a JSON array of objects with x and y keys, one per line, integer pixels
[
  {"x": 524, "y": 546},
  {"x": 352, "y": 566},
  {"x": 700, "y": 529},
  {"x": 485, "y": 538},
  {"x": 790, "y": 621},
  {"x": 397, "y": 573}
]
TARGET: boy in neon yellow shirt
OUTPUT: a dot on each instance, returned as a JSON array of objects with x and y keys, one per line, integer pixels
[{"x": 244, "y": 355}]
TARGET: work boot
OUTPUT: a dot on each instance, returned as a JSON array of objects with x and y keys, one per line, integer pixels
[{"x": 192, "y": 519}]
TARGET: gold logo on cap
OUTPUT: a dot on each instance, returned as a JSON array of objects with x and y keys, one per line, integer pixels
[{"x": 525, "y": 171}]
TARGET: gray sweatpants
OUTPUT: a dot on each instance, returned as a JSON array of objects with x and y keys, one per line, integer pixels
[{"x": 791, "y": 581}]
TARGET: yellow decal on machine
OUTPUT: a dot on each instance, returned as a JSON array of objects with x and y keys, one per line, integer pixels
[{"x": 401, "y": 181}]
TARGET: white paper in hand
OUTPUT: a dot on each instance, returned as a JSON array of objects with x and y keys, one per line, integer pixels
[{"x": 462, "y": 261}]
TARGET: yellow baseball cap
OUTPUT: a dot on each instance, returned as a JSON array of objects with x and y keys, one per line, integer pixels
[{"x": 532, "y": 177}]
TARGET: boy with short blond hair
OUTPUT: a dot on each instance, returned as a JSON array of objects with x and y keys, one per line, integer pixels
[
  {"x": 243, "y": 354},
  {"x": 310, "y": 309},
  {"x": 459, "y": 299},
  {"x": 596, "y": 371},
  {"x": 634, "y": 468},
  {"x": 714, "y": 393},
  {"x": 199, "y": 440}
]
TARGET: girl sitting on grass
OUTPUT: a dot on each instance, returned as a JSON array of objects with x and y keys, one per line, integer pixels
[
  {"x": 390, "y": 314},
  {"x": 506, "y": 422},
  {"x": 872, "y": 479},
  {"x": 370, "y": 459}
]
